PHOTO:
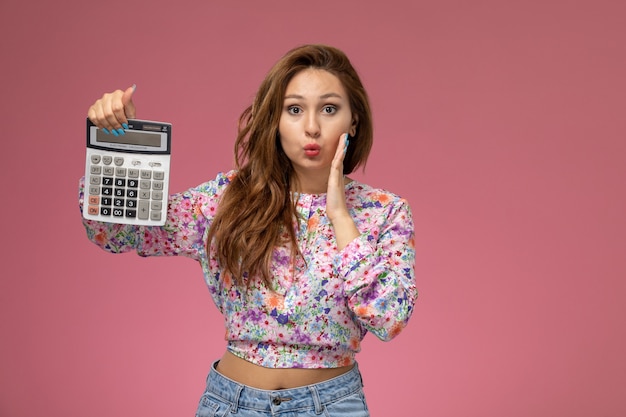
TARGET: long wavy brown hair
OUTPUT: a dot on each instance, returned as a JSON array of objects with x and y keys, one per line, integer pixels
[{"x": 256, "y": 212}]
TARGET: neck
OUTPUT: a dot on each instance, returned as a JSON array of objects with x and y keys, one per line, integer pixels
[
  {"x": 309, "y": 188},
  {"x": 311, "y": 185}
]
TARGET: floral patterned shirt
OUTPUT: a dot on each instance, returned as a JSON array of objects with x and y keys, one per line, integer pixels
[{"x": 322, "y": 305}]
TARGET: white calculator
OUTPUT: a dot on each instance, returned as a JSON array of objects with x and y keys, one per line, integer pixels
[{"x": 127, "y": 176}]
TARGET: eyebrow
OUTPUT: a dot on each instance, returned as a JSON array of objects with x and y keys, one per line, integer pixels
[{"x": 323, "y": 96}]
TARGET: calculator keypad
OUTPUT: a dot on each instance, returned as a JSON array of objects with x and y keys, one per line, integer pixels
[{"x": 116, "y": 192}]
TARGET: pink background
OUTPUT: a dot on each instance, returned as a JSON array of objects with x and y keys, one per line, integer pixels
[{"x": 502, "y": 122}]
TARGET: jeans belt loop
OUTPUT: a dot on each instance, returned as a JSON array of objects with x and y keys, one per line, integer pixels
[{"x": 316, "y": 399}]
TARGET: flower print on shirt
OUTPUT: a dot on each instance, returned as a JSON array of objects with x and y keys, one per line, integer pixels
[{"x": 320, "y": 307}]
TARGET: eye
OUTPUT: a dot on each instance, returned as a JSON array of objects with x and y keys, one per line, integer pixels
[
  {"x": 329, "y": 109},
  {"x": 294, "y": 110}
]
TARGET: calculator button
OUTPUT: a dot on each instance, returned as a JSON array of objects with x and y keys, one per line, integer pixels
[
  {"x": 94, "y": 180},
  {"x": 118, "y": 161},
  {"x": 118, "y": 202},
  {"x": 106, "y": 160},
  {"x": 93, "y": 210},
  {"x": 120, "y": 182},
  {"x": 143, "y": 210},
  {"x": 131, "y": 203},
  {"x": 106, "y": 201},
  {"x": 94, "y": 200},
  {"x": 144, "y": 184},
  {"x": 132, "y": 183},
  {"x": 157, "y": 195},
  {"x": 105, "y": 211},
  {"x": 118, "y": 212},
  {"x": 131, "y": 193},
  {"x": 119, "y": 192},
  {"x": 159, "y": 175},
  {"x": 144, "y": 194},
  {"x": 94, "y": 190},
  {"x": 107, "y": 181},
  {"x": 109, "y": 171},
  {"x": 133, "y": 173},
  {"x": 95, "y": 170},
  {"x": 107, "y": 191},
  {"x": 146, "y": 175},
  {"x": 157, "y": 185},
  {"x": 131, "y": 213},
  {"x": 156, "y": 205},
  {"x": 155, "y": 216},
  {"x": 120, "y": 172},
  {"x": 95, "y": 159}
]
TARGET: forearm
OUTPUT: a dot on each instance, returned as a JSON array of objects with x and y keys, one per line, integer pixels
[
  {"x": 379, "y": 275},
  {"x": 345, "y": 231}
]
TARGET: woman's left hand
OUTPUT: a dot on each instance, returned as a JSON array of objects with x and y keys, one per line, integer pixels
[{"x": 336, "y": 208}]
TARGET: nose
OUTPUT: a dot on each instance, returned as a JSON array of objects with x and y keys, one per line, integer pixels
[{"x": 312, "y": 126}]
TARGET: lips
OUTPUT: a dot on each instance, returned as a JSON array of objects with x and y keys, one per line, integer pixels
[{"x": 312, "y": 149}]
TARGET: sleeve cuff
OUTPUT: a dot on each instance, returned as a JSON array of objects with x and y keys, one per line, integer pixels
[{"x": 353, "y": 256}]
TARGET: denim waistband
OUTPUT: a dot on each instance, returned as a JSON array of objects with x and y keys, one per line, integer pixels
[{"x": 306, "y": 397}]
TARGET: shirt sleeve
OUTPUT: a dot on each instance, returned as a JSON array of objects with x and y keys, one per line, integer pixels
[
  {"x": 189, "y": 215},
  {"x": 379, "y": 274}
]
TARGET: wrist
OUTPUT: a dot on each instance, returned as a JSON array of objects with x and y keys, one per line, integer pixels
[
  {"x": 340, "y": 218},
  {"x": 345, "y": 230}
]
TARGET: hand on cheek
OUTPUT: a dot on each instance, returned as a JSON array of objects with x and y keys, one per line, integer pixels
[{"x": 336, "y": 209}]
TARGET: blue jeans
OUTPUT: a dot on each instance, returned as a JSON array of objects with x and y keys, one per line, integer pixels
[{"x": 339, "y": 396}]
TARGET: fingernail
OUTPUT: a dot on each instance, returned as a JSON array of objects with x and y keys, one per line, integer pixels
[
  {"x": 105, "y": 130},
  {"x": 121, "y": 131},
  {"x": 125, "y": 125},
  {"x": 114, "y": 132},
  {"x": 134, "y": 87}
]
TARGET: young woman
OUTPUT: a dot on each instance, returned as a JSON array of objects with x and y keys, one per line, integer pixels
[{"x": 301, "y": 260}]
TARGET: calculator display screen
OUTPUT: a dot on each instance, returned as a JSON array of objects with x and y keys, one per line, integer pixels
[{"x": 131, "y": 138}]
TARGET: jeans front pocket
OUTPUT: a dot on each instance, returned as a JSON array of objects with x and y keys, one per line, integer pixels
[{"x": 352, "y": 405}]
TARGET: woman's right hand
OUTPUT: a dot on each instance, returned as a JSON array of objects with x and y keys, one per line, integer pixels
[{"x": 112, "y": 111}]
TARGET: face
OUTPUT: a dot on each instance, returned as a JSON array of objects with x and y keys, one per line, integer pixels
[{"x": 316, "y": 113}]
